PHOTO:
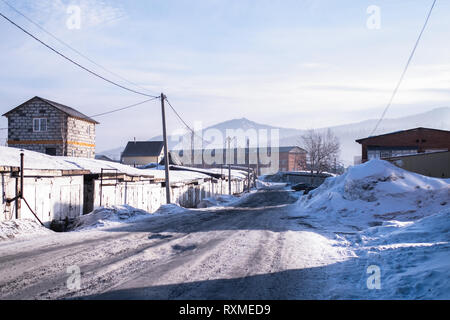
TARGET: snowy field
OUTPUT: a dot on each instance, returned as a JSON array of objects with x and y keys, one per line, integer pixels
[{"x": 269, "y": 244}]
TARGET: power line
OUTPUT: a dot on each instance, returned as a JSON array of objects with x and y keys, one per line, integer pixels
[
  {"x": 74, "y": 62},
  {"x": 184, "y": 122},
  {"x": 405, "y": 69},
  {"x": 123, "y": 108},
  {"x": 70, "y": 47}
]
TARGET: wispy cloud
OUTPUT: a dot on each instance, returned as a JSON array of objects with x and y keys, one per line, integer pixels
[{"x": 94, "y": 13}]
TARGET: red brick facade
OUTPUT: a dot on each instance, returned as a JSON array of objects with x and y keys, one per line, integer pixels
[
  {"x": 417, "y": 140},
  {"x": 292, "y": 159}
]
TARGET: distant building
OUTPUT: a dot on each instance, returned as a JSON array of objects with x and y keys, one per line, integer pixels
[
  {"x": 406, "y": 142},
  {"x": 292, "y": 159},
  {"x": 139, "y": 153},
  {"x": 52, "y": 128},
  {"x": 289, "y": 158}
]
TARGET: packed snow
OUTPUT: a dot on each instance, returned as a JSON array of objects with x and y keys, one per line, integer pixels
[
  {"x": 107, "y": 217},
  {"x": 24, "y": 228},
  {"x": 388, "y": 217}
]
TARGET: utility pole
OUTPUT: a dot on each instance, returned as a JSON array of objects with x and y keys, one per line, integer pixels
[
  {"x": 229, "y": 164},
  {"x": 166, "y": 152},
  {"x": 192, "y": 149},
  {"x": 248, "y": 166}
]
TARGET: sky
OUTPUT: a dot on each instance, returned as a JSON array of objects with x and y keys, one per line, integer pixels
[{"x": 288, "y": 63}]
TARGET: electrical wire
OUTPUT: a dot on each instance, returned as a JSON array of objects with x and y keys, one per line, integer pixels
[
  {"x": 70, "y": 47},
  {"x": 394, "y": 93},
  {"x": 123, "y": 108},
  {"x": 74, "y": 62},
  {"x": 184, "y": 122}
]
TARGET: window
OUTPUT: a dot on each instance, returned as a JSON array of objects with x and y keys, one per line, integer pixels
[
  {"x": 39, "y": 124},
  {"x": 50, "y": 151}
]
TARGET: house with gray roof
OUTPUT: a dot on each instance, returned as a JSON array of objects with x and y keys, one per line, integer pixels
[
  {"x": 140, "y": 153},
  {"x": 52, "y": 128}
]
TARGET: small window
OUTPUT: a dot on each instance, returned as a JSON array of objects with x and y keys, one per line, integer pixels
[
  {"x": 39, "y": 124},
  {"x": 50, "y": 151}
]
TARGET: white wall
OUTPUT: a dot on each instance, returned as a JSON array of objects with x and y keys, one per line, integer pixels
[{"x": 58, "y": 197}]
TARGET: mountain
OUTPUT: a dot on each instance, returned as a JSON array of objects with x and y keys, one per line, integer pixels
[{"x": 438, "y": 118}]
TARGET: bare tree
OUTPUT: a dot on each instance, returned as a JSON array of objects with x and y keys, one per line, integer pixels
[{"x": 323, "y": 150}]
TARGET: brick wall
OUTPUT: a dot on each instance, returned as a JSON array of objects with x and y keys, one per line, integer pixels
[
  {"x": 81, "y": 138},
  {"x": 20, "y": 127},
  {"x": 292, "y": 161},
  {"x": 68, "y": 135}
]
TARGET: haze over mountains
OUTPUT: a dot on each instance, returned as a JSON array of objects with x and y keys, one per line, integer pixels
[{"x": 438, "y": 118}]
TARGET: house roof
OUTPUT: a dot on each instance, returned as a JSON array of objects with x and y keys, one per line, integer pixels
[
  {"x": 143, "y": 149},
  {"x": 401, "y": 131},
  {"x": 67, "y": 110},
  {"x": 289, "y": 149}
]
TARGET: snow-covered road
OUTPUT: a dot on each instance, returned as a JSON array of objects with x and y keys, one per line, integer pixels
[{"x": 253, "y": 250}]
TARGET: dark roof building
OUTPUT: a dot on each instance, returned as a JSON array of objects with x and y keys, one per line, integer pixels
[
  {"x": 142, "y": 152},
  {"x": 405, "y": 142}
]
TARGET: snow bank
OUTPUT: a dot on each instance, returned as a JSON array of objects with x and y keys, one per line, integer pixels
[
  {"x": 377, "y": 191},
  {"x": 21, "y": 228},
  {"x": 219, "y": 201},
  {"x": 107, "y": 217},
  {"x": 170, "y": 209},
  {"x": 413, "y": 257},
  {"x": 391, "y": 218},
  {"x": 266, "y": 185}
]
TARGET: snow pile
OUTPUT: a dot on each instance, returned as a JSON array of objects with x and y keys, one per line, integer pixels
[
  {"x": 219, "y": 201},
  {"x": 170, "y": 209},
  {"x": 266, "y": 185},
  {"x": 413, "y": 258},
  {"x": 107, "y": 217},
  {"x": 21, "y": 228},
  {"x": 377, "y": 191},
  {"x": 390, "y": 218}
]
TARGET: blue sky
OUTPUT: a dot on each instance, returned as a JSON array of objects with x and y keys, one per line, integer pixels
[{"x": 288, "y": 63}]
